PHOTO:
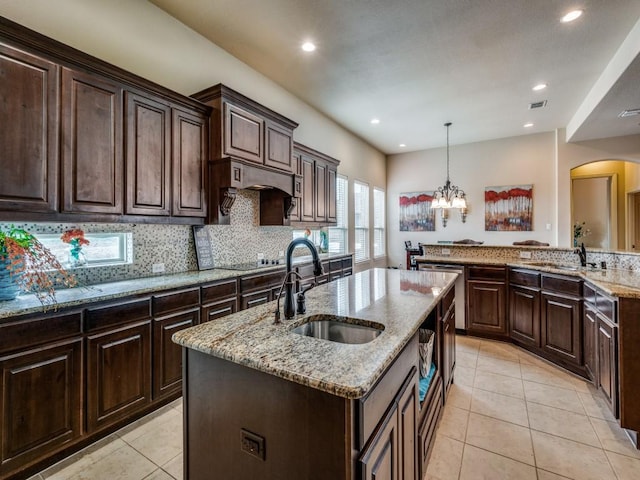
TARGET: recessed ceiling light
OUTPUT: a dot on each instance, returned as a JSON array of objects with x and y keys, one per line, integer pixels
[
  {"x": 402, "y": 145},
  {"x": 375, "y": 121},
  {"x": 540, "y": 86},
  {"x": 571, "y": 16},
  {"x": 528, "y": 125},
  {"x": 308, "y": 47}
]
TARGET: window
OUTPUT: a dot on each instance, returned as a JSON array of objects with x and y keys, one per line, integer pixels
[
  {"x": 361, "y": 215},
  {"x": 339, "y": 235},
  {"x": 378, "y": 223},
  {"x": 103, "y": 249}
]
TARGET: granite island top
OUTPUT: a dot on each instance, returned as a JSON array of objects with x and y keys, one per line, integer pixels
[
  {"x": 398, "y": 299},
  {"x": 26, "y": 303},
  {"x": 615, "y": 282}
]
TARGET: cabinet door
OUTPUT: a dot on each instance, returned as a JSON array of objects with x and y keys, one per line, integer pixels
[
  {"x": 167, "y": 356},
  {"x": 408, "y": 430},
  {"x": 248, "y": 300},
  {"x": 295, "y": 215},
  {"x": 380, "y": 459},
  {"x": 29, "y": 134},
  {"x": 189, "y": 157},
  {"x": 561, "y": 320},
  {"x": 40, "y": 402},
  {"x": 118, "y": 374},
  {"x": 448, "y": 348},
  {"x": 243, "y": 134},
  {"x": 219, "y": 309},
  {"x": 279, "y": 147},
  {"x": 608, "y": 362},
  {"x": 486, "y": 307},
  {"x": 92, "y": 165},
  {"x": 331, "y": 195},
  {"x": 590, "y": 332},
  {"x": 148, "y": 154},
  {"x": 308, "y": 190},
  {"x": 321, "y": 192},
  {"x": 524, "y": 315}
]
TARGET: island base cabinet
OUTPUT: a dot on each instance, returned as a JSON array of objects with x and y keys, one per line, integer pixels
[
  {"x": 607, "y": 381},
  {"x": 40, "y": 404}
]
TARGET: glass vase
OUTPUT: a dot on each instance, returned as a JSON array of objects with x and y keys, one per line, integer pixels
[{"x": 9, "y": 288}]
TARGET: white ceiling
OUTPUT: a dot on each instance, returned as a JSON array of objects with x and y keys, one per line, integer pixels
[{"x": 416, "y": 64}]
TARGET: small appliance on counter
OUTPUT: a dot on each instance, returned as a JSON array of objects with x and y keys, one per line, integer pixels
[{"x": 412, "y": 252}]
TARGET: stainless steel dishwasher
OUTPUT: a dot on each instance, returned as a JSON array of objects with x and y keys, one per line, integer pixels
[{"x": 460, "y": 294}]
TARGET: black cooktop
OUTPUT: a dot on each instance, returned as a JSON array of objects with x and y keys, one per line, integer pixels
[{"x": 249, "y": 266}]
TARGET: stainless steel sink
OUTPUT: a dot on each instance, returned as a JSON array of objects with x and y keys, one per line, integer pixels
[
  {"x": 339, "y": 329},
  {"x": 555, "y": 265}
]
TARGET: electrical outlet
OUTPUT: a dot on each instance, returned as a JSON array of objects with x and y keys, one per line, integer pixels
[
  {"x": 157, "y": 267},
  {"x": 526, "y": 255},
  {"x": 446, "y": 251},
  {"x": 252, "y": 444},
  {"x": 281, "y": 253},
  {"x": 260, "y": 256}
]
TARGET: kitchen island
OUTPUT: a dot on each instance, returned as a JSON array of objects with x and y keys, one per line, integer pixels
[{"x": 264, "y": 402}]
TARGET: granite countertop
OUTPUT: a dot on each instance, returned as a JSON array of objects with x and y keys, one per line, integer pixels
[
  {"x": 398, "y": 299},
  {"x": 615, "y": 282},
  {"x": 26, "y": 304}
]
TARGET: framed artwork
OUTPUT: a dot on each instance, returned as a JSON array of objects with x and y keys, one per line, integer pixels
[
  {"x": 508, "y": 208},
  {"x": 416, "y": 214}
]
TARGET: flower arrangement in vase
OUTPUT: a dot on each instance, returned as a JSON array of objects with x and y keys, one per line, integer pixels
[
  {"x": 75, "y": 238},
  {"x": 27, "y": 265},
  {"x": 579, "y": 231}
]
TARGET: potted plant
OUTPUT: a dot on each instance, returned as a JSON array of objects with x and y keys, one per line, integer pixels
[{"x": 27, "y": 265}]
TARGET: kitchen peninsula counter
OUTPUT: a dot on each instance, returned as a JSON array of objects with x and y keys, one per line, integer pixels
[{"x": 396, "y": 299}]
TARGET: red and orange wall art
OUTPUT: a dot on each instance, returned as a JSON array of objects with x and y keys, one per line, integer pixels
[
  {"x": 508, "y": 208},
  {"x": 416, "y": 214}
]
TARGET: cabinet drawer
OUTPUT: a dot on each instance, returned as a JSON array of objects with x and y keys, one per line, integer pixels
[
  {"x": 589, "y": 294},
  {"x": 427, "y": 429},
  {"x": 524, "y": 278},
  {"x": 347, "y": 272},
  {"x": 347, "y": 262},
  {"x": 215, "y": 291},
  {"x": 255, "y": 282},
  {"x": 306, "y": 271},
  {"x": 180, "y": 300},
  {"x": 219, "y": 309},
  {"x": 486, "y": 273},
  {"x": 248, "y": 300},
  {"x": 114, "y": 314},
  {"x": 335, "y": 265},
  {"x": 607, "y": 307},
  {"x": 564, "y": 285},
  {"x": 34, "y": 331}
]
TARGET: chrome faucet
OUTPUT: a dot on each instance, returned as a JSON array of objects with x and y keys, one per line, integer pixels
[{"x": 287, "y": 282}]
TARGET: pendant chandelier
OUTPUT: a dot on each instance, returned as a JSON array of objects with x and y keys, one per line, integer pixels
[{"x": 449, "y": 196}]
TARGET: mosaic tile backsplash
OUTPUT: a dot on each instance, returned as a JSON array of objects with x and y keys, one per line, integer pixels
[{"x": 173, "y": 244}]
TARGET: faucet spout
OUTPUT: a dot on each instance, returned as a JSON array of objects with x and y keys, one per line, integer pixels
[
  {"x": 582, "y": 254},
  {"x": 289, "y": 306}
]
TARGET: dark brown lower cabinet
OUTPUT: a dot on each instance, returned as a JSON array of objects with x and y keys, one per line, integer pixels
[
  {"x": 590, "y": 347},
  {"x": 167, "y": 356},
  {"x": 524, "y": 315},
  {"x": 253, "y": 299},
  {"x": 40, "y": 402},
  {"x": 561, "y": 319},
  {"x": 608, "y": 362},
  {"x": 447, "y": 337},
  {"x": 486, "y": 308},
  {"x": 219, "y": 309},
  {"x": 118, "y": 374}
]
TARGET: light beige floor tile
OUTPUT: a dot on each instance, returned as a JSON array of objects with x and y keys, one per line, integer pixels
[
  {"x": 446, "y": 459},
  {"x": 503, "y": 438},
  {"x": 596, "y": 406},
  {"x": 466, "y": 360},
  {"x": 149, "y": 423},
  {"x": 162, "y": 443},
  {"x": 497, "y": 349},
  {"x": 626, "y": 468},
  {"x": 465, "y": 375},
  {"x": 569, "y": 458},
  {"x": 500, "y": 366},
  {"x": 553, "y": 396},
  {"x": 583, "y": 386},
  {"x": 478, "y": 464},
  {"x": 499, "y": 383},
  {"x": 544, "y": 475},
  {"x": 35, "y": 477},
  {"x": 175, "y": 467},
  {"x": 502, "y": 407},
  {"x": 77, "y": 462},
  {"x": 613, "y": 438},
  {"x": 545, "y": 376},
  {"x": 124, "y": 463},
  {"x": 454, "y": 423},
  {"x": 159, "y": 474},
  {"x": 570, "y": 425},
  {"x": 460, "y": 396},
  {"x": 467, "y": 343}
]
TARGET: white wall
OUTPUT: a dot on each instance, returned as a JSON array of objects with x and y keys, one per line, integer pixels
[
  {"x": 139, "y": 37},
  {"x": 520, "y": 160}
]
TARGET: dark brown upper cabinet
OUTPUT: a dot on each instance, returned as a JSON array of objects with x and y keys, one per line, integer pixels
[
  {"x": 29, "y": 92},
  {"x": 279, "y": 147},
  {"x": 148, "y": 156},
  {"x": 92, "y": 161},
  {"x": 242, "y": 134}
]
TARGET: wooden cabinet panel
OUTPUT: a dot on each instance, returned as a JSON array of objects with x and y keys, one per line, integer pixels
[
  {"x": 448, "y": 349},
  {"x": 180, "y": 300},
  {"x": 321, "y": 192},
  {"x": 561, "y": 319},
  {"x": 380, "y": 459},
  {"x": 298, "y": 192},
  {"x": 486, "y": 307},
  {"x": 590, "y": 332},
  {"x": 219, "y": 309},
  {"x": 112, "y": 314},
  {"x": 608, "y": 362},
  {"x": 408, "y": 430},
  {"x": 92, "y": 162},
  {"x": 243, "y": 134},
  {"x": 279, "y": 147},
  {"x": 148, "y": 156},
  {"x": 167, "y": 356},
  {"x": 189, "y": 156},
  {"x": 524, "y": 315},
  {"x": 40, "y": 402},
  {"x": 248, "y": 300},
  {"x": 213, "y": 292},
  {"x": 29, "y": 332},
  {"x": 332, "y": 215},
  {"x": 29, "y": 135},
  {"x": 118, "y": 374},
  {"x": 307, "y": 211}
]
